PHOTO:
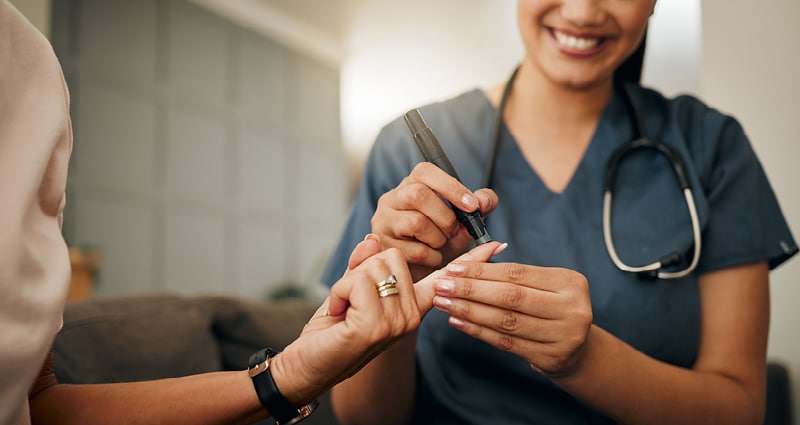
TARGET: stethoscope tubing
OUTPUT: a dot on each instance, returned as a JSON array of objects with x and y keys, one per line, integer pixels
[{"x": 660, "y": 264}]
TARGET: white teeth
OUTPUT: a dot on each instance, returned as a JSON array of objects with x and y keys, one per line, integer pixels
[{"x": 577, "y": 43}]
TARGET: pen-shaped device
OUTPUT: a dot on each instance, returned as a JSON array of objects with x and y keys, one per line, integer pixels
[{"x": 432, "y": 151}]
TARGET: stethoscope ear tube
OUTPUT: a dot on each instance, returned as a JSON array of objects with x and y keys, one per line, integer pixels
[{"x": 497, "y": 127}]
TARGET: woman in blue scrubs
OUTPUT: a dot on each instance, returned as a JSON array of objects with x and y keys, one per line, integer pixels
[{"x": 551, "y": 331}]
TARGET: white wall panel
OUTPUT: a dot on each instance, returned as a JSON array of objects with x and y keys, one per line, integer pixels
[
  {"x": 196, "y": 156},
  {"x": 198, "y": 53},
  {"x": 262, "y": 258},
  {"x": 115, "y": 137},
  {"x": 125, "y": 234},
  {"x": 315, "y": 93},
  {"x": 118, "y": 38},
  {"x": 261, "y": 86},
  {"x": 263, "y": 173},
  {"x": 195, "y": 255}
]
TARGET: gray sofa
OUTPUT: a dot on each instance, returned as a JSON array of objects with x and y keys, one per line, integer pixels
[{"x": 135, "y": 338}]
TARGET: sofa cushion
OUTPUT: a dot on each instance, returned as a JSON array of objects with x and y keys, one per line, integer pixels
[
  {"x": 135, "y": 338},
  {"x": 243, "y": 327}
]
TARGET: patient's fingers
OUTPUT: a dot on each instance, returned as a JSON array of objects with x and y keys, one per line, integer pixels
[
  {"x": 338, "y": 300},
  {"x": 322, "y": 310},
  {"x": 370, "y": 246}
]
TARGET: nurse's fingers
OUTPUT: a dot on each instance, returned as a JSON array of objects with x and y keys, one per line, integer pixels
[
  {"x": 424, "y": 288},
  {"x": 487, "y": 199},
  {"x": 549, "y": 358},
  {"x": 413, "y": 210},
  {"x": 445, "y": 185},
  {"x": 425, "y": 191},
  {"x": 508, "y": 296},
  {"x": 557, "y": 295},
  {"x": 504, "y": 321},
  {"x": 552, "y": 279}
]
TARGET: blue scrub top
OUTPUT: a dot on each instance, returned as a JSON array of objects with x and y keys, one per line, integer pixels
[{"x": 465, "y": 381}]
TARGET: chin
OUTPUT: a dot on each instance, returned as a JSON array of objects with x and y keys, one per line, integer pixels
[
  {"x": 581, "y": 83},
  {"x": 580, "y": 79}
]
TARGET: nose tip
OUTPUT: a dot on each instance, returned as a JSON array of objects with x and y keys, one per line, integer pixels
[{"x": 583, "y": 12}]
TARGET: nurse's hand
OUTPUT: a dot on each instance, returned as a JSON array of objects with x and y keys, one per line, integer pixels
[
  {"x": 415, "y": 219},
  {"x": 541, "y": 314}
]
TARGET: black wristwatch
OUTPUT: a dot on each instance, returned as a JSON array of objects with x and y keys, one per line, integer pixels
[{"x": 281, "y": 410}]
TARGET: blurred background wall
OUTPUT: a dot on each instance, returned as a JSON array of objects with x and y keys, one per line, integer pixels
[
  {"x": 207, "y": 156},
  {"x": 192, "y": 118},
  {"x": 750, "y": 69}
]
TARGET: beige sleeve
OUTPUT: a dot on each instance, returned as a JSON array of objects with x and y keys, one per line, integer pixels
[{"x": 35, "y": 145}]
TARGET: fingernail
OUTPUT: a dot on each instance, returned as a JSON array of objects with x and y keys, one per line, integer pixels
[
  {"x": 444, "y": 286},
  {"x": 500, "y": 248},
  {"x": 469, "y": 202},
  {"x": 372, "y": 236},
  {"x": 457, "y": 322},
  {"x": 442, "y": 302},
  {"x": 455, "y": 268}
]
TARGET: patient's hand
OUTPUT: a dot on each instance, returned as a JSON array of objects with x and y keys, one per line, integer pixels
[{"x": 351, "y": 327}]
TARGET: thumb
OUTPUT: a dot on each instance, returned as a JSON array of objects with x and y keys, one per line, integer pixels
[
  {"x": 370, "y": 246},
  {"x": 487, "y": 199},
  {"x": 338, "y": 301},
  {"x": 424, "y": 287}
]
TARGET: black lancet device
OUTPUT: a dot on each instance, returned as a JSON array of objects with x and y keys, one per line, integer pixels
[{"x": 432, "y": 152}]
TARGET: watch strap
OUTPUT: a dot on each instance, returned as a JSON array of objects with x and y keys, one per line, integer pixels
[{"x": 271, "y": 398}]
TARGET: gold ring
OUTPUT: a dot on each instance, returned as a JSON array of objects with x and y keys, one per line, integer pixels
[
  {"x": 388, "y": 291},
  {"x": 387, "y": 286}
]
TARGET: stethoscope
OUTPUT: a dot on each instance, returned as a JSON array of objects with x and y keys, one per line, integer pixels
[{"x": 657, "y": 268}]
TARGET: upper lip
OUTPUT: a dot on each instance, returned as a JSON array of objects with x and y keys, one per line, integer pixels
[{"x": 578, "y": 34}]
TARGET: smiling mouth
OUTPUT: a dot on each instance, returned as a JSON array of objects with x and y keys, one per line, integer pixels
[{"x": 576, "y": 43}]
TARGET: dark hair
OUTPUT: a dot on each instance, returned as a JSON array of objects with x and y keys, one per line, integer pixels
[{"x": 631, "y": 69}]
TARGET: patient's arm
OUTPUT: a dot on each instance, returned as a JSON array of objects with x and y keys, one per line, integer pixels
[{"x": 211, "y": 398}]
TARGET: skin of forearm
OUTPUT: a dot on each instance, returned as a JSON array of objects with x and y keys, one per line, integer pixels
[
  {"x": 634, "y": 388},
  {"x": 383, "y": 391},
  {"x": 212, "y": 398}
]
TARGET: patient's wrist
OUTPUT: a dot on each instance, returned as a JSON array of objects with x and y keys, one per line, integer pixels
[
  {"x": 263, "y": 367},
  {"x": 290, "y": 387}
]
